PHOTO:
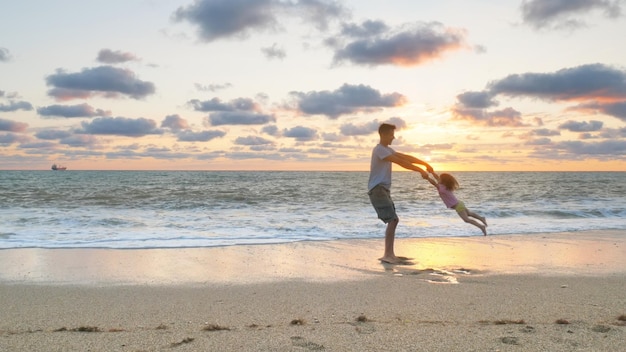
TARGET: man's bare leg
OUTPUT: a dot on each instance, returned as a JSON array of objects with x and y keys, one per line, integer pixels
[{"x": 390, "y": 236}]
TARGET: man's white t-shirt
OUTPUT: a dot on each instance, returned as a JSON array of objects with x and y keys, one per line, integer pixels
[{"x": 380, "y": 169}]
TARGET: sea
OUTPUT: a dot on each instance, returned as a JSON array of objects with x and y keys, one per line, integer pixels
[{"x": 181, "y": 209}]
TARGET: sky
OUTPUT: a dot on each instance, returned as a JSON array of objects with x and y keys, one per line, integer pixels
[{"x": 471, "y": 85}]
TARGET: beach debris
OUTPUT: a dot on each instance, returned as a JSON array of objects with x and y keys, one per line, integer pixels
[
  {"x": 361, "y": 327},
  {"x": 562, "y": 321},
  {"x": 87, "y": 329},
  {"x": 80, "y": 329},
  {"x": 621, "y": 320},
  {"x": 298, "y": 322},
  {"x": 161, "y": 327},
  {"x": 362, "y": 319},
  {"x": 215, "y": 327},
  {"x": 508, "y": 321},
  {"x": 564, "y": 286},
  {"x": 184, "y": 341},
  {"x": 503, "y": 322}
]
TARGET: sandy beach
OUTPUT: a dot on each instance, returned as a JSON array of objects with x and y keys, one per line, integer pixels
[{"x": 551, "y": 292}]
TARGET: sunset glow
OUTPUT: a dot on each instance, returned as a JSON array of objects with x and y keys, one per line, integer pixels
[{"x": 303, "y": 85}]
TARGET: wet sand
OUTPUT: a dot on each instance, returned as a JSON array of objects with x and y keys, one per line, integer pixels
[{"x": 551, "y": 292}]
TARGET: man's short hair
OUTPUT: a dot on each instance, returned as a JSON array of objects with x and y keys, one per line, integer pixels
[{"x": 386, "y": 128}]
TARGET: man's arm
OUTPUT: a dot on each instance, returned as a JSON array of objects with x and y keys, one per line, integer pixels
[
  {"x": 435, "y": 181},
  {"x": 408, "y": 162},
  {"x": 414, "y": 160}
]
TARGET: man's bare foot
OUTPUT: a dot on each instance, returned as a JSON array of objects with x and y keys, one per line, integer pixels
[
  {"x": 395, "y": 260},
  {"x": 484, "y": 221},
  {"x": 484, "y": 230}
]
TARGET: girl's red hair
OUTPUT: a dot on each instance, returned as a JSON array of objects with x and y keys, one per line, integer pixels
[{"x": 449, "y": 181}]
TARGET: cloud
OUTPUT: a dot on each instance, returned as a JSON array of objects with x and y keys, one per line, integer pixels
[
  {"x": 218, "y": 19},
  {"x": 240, "y": 111},
  {"x": 584, "y": 126},
  {"x": 617, "y": 109},
  {"x": 585, "y": 82},
  {"x": 540, "y": 141},
  {"x": 5, "y": 55},
  {"x": 108, "y": 56},
  {"x": 14, "y": 106},
  {"x": 545, "y": 132},
  {"x": 10, "y": 138},
  {"x": 347, "y": 99},
  {"x": 204, "y": 136},
  {"x": 366, "y": 29},
  {"x": 108, "y": 81},
  {"x": 507, "y": 117},
  {"x": 226, "y": 18},
  {"x": 215, "y": 104},
  {"x": 479, "y": 100},
  {"x": 12, "y": 126},
  {"x": 613, "y": 133},
  {"x": 407, "y": 46},
  {"x": 9, "y": 95},
  {"x": 78, "y": 140},
  {"x": 564, "y": 14},
  {"x": 598, "y": 88},
  {"x": 274, "y": 52},
  {"x": 212, "y": 87},
  {"x": 271, "y": 130},
  {"x": 252, "y": 140},
  {"x": 175, "y": 123},
  {"x": 609, "y": 147},
  {"x": 318, "y": 12},
  {"x": 368, "y": 128},
  {"x": 301, "y": 133},
  {"x": 38, "y": 146},
  {"x": 69, "y": 111},
  {"x": 365, "y": 129},
  {"x": 120, "y": 126},
  {"x": 52, "y": 134},
  {"x": 239, "y": 118}
]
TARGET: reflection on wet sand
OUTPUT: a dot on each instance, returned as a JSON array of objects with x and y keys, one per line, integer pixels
[{"x": 438, "y": 260}]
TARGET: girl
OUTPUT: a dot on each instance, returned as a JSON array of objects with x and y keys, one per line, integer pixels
[{"x": 446, "y": 184}]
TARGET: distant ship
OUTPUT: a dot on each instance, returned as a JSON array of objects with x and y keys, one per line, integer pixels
[{"x": 56, "y": 167}]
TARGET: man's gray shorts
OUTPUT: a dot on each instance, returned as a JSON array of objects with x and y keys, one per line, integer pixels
[{"x": 381, "y": 200}]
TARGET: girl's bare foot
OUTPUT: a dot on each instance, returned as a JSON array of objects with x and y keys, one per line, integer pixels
[{"x": 484, "y": 230}]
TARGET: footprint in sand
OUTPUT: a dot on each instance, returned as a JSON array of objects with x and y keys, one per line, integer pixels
[{"x": 300, "y": 341}]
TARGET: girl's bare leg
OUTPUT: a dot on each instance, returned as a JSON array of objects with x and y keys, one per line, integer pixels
[
  {"x": 474, "y": 215},
  {"x": 465, "y": 216}
]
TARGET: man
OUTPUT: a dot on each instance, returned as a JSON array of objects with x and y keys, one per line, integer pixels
[{"x": 379, "y": 185}]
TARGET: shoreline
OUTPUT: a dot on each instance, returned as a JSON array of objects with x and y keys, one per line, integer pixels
[
  {"x": 441, "y": 259},
  {"x": 559, "y": 292}
]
